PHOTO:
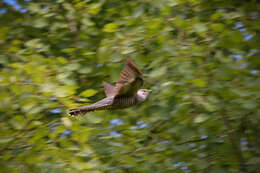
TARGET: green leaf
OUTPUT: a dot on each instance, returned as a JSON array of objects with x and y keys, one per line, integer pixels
[
  {"x": 200, "y": 118},
  {"x": 3, "y": 32},
  {"x": 40, "y": 23},
  {"x": 199, "y": 82},
  {"x": 18, "y": 122},
  {"x": 200, "y": 27},
  {"x": 94, "y": 8},
  {"x": 5, "y": 140},
  {"x": 249, "y": 104},
  {"x": 69, "y": 50},
  {"x": 88, "y": 93},
  {"x": 254, "y": 161},
  {"x": 111, "y": 27},
  {"x": 66, "y": 121},
  {"x": 173, "y": 3},
  {"x": 85, "y": 70},
  {"x": 34, "y": 43},
  {"x": 93, "y": 118}
]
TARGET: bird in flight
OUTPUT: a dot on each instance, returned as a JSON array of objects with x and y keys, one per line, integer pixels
[{"x": 124, "y": 94}]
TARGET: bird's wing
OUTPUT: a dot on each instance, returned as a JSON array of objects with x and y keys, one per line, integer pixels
[
  {"x": 109, "y": 89},
  {"x": 130, "y": 80}
]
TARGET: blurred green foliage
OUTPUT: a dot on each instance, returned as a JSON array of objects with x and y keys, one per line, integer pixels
[{"x": 200, "y": 58}]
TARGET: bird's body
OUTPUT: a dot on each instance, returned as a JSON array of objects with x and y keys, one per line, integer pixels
[
  {"x": 108, "y": 103},
  {"x": 125, "y": 94}
]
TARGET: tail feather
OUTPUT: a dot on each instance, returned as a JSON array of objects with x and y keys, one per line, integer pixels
[
  {"x": 100, "y": 105},
  {"x": 81, "y": 110}
]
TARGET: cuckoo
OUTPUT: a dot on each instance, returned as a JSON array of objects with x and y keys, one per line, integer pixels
[{"x": 124, "y": 94}]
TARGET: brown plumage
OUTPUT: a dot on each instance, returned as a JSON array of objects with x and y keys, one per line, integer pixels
[{"x": 124, "y": 94}]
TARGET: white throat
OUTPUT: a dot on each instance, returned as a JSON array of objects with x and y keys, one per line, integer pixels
[{"x": 141, "y": 96}]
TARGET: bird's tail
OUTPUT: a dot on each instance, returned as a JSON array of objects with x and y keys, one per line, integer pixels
[
  {"x": 82, "y": 110},
  {"x": 89, "y": 108},
  {"x": 100, "y": 105}
]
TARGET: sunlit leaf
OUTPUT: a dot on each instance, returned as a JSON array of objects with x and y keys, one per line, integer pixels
[
  {"x": 111, "y": 27},
  {"x": 199, "y": 82},
  {"x": 88, "y": 93}
]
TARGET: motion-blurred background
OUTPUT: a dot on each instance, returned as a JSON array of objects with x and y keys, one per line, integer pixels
[{"x": 200, "y": 58}]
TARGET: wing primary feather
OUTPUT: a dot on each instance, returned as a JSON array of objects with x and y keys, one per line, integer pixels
[
  {"x": 131, "y": 64},
  {"x": 130, "y": 80}
]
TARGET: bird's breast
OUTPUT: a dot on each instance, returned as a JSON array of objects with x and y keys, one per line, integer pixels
[{"x": 124, "y": 101}]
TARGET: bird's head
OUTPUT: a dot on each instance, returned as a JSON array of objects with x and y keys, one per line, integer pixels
[{"x": 143, "y": 93}]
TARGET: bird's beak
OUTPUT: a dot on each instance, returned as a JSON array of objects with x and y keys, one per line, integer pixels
[{"x": 149, "y": 90}]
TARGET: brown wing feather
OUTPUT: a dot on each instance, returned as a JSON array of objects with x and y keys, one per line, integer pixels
[
  {"x": 109, "y": 89},
  {"x": 129, "y": 81}
]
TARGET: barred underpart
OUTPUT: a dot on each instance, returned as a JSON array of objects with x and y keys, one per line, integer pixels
[{"x": 124, "y": 101}]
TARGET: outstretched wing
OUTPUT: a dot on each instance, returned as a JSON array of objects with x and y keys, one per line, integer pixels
[
  {"x": 109, "y": 89},
  {"x": 130, "y": 80}
]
